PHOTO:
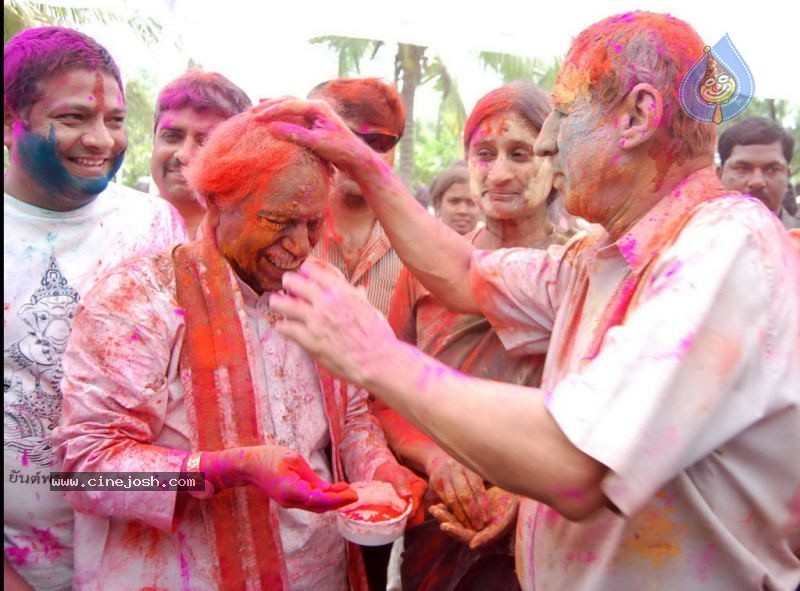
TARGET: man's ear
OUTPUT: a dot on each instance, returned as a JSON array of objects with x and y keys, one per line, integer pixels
[
  {"x": 9, "y": 118},
  {"x": 641, "y": 115},
  {"x": 719, "y": 171}
]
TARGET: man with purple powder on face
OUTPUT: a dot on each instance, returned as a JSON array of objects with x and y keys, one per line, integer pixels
[
  {"x": 64, "y": 226},
  {"x": 187, "y": 110}
]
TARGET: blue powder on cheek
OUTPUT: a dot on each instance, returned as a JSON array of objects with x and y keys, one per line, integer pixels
[{"x": 39, "y": 156}]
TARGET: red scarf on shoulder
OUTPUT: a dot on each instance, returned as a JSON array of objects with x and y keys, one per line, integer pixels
[
  {"x": 221, "y": 401},
  {"x": 221, "y": 407}
]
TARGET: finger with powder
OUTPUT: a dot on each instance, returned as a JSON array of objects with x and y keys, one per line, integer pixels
[
  {"x": 321, "y": 501},
  {"x": 461, "y": 489},
  {"x": 310, "y": 114},
  {"x": 291, "y": 307},
  {"x": 302, "y": 287},
  {"x": 265, "y": 103},
  {"x": 450, "y": 525},
  {"x": 323, "y": 273},
  {"x": 505, "y": 506},
  {"x": 279, "y": 110}
]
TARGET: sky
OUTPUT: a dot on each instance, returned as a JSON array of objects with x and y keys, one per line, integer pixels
[{"x": 262, "y": 46}]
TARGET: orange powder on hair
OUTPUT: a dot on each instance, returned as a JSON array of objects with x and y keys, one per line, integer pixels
[
  {"x": 365, "y": 101},
  {"x": 240, "y": 158}
]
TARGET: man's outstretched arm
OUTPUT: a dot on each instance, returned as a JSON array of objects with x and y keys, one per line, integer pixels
[{"x": 502, "y": 431}]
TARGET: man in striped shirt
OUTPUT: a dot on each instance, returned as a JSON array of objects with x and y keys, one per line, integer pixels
[{"x": 354, "y": 241}]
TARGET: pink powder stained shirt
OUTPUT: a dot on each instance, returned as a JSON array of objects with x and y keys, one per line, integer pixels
[
  {"x": 124, "y": 410},
  {"x": 674, "y": 360},
  {"x": 377, "y": 268},
  {"x": 51, "y": 260},
  {"x": 466, "y": 342}
]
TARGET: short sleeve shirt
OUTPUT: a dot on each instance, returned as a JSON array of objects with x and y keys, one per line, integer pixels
[{"x": 673, "y": 360}]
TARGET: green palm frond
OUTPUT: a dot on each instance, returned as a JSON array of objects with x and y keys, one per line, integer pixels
[
  {"x": 350, "y": 51},
  {"x": 452, "y": 113},
  {"x": 18, "y": 15},
  {"x": 513, "y": 67}
]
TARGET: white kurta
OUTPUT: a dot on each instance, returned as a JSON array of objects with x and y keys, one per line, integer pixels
[{"x": 124, "y": 410}]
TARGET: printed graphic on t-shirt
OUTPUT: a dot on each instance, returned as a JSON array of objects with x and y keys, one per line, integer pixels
[{"x": 32, "y": 375}]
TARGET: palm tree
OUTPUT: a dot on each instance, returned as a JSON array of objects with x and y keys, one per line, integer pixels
[
  {"x": 514, "y": 67},
  {"x": 413, "y": 68},
  {"x": 19, "y": 15}
]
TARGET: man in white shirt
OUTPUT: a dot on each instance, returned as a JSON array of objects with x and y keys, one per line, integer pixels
[
  {"x": 655, "y": 455},
  {"x": 65, "y": 227}
]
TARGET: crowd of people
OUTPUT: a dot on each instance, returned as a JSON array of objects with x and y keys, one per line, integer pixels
[{"x": 581, "y": 369}]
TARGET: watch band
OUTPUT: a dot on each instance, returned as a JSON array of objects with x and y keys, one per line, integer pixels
[{"x": 193, "y": 465}]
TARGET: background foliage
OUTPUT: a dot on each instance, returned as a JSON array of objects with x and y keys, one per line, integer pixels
[{"x": 427, "y": 146}]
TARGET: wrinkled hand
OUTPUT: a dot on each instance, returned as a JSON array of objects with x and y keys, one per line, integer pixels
[
  {"x": 504, "y": 506},
  {"x": 407, "y": 485},
  {"x": 333, "y": 321},
  {"x": 461, "y": 490},
  {"x": 315, "y": 125},
  {"x": 281, "y": 473}
]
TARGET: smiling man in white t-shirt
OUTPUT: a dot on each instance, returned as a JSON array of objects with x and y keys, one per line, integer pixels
[{"x": 64, "y": 227}]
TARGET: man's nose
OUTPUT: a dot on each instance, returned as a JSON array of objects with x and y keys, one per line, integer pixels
[
  {"x": 297, "y": 240},
  {"x": 98, "y": 136},
  {"x": 756, "y": 179},
  {"x": 546, "y": 143},
  {"x": 186, "y": 152}
]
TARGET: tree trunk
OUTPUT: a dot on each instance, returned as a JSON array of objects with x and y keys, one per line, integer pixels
[
  {"x": 409, "y": 61},
  {"x": 771, "y": 106}
]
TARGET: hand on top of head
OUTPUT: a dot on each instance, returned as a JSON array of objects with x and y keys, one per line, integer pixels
[
  {"x": 308, "y": 113},
  {"x": 315, "y": 125}
]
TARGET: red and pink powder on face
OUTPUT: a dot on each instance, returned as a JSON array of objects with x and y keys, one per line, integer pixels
[{"x": 99, "y": 91}]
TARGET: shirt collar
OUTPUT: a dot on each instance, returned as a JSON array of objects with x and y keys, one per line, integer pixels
[
  {"x": 659, "y": 226},
  {"x": 250, "y": 298}
]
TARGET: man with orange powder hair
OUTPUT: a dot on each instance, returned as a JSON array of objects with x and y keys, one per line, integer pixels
[
  {"x": 175, "y": 366},
  {"x": 657, "y": 452}
]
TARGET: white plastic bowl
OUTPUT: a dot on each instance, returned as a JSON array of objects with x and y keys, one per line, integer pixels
[{"x": 378, "y": 517}]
